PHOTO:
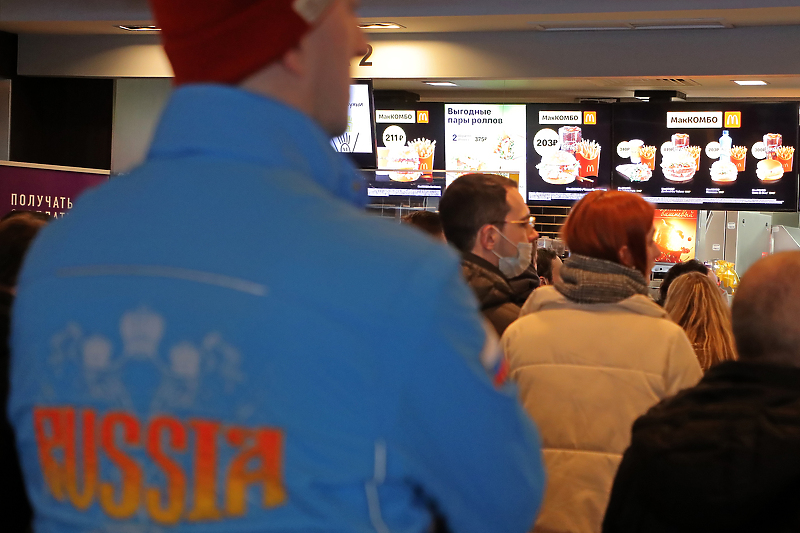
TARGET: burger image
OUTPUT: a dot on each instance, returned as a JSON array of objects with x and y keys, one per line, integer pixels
[
  {"x": 559, "y": 168},
  {"x": 403, "y": 158},
  {"x": 769, "y": 170},
  {"x": 724, "y": 172},
  {"x": 679, "y": 166}
]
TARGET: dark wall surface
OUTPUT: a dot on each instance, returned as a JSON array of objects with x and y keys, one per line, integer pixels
[
  {"x": 8, "y": 55},
  {"x": 62, "y": 121}
]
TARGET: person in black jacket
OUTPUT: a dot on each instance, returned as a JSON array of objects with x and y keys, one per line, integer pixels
[
  {"x": 486, "y": 219},
  {"x": 17, "y": 230},
  {"x": 724, "y": 456}
]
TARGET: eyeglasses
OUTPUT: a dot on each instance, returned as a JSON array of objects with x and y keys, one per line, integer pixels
[{"x": 530, "y": 221}]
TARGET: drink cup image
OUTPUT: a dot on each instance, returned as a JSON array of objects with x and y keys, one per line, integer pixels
[
  {"x": 680, "y": 140},
  {"x": 383, "y": 159},
  {"x": 772, "y": 141},
  {"x": 739, "y": 157},
  {"x": 570, "y": 137},
  {"x": 635, "y": 145}
]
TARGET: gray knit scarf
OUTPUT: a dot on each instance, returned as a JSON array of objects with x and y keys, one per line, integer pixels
[{"x": 587, "y": 280}]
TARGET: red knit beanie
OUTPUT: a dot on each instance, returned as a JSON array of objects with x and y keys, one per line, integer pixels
[{"x": 225, "y": 41}]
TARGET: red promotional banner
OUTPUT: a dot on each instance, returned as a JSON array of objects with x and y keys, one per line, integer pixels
[
  {"x": 44, "y": 188},
  {"x": 676, "y": 232}
]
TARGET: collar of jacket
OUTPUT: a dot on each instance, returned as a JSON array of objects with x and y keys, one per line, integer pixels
[
  {"x": 748, "y": 372},
  {"x": 228, "y": 123},
  {"x": 487, "y": 282},
  {"x": 548, "y": 297},
  {"x": 483, "y": 263}
]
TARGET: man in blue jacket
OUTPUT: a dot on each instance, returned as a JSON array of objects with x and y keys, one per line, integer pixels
[{"x": 183, "y": 360}]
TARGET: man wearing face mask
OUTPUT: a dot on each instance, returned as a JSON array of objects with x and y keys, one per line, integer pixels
[{"x": 485, "y": 217}]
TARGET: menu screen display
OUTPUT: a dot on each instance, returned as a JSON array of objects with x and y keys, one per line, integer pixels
[
  {"x": 571, "y": 152},
  {"x": 358, "y": 140},
  {"x": 724, "y": 156},
  {"x": 410, "y": 146},
  {"x": 486, "y": 138}
]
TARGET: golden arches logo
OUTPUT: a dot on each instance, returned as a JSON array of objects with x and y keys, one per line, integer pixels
[{"x": 733, "y": 119}]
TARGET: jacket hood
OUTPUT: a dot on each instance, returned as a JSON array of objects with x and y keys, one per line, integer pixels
[{"x": 548, "y": 297}]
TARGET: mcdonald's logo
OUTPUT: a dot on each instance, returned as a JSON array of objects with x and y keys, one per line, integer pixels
[
  {"x": 423, "y": 117},
  {"x": 590, "y": 118},
  {"x": 733, "y": 119}
]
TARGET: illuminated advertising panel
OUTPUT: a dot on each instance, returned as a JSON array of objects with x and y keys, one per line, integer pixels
[{"x": 727, "y": 156}]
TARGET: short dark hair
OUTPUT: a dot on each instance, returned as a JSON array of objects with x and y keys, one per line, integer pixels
[
  {"x": 471, "y": 202},
  {"x": 679, "y": 269},
  {"x": 17, "y": 231},
  {"x": 544, "y": 263},
  {"x": 765, "y": 309},
  {"x": 428, "y": 221}
]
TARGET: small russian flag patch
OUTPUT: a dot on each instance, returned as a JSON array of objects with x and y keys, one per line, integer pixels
[{"x": 492, "y": 357}]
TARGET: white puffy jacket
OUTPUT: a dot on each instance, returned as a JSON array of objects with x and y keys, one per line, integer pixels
[{"x": 585, "y": 373}]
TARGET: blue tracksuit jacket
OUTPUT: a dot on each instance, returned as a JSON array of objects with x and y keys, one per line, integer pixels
[{"x": 222, "y": 341}]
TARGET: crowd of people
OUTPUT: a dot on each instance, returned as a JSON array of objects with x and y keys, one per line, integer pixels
[{"x": 177, "y": 370}]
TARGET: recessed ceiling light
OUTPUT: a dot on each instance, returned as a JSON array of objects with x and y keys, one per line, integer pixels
[
  {"x": 643, "y": 98},
  {"x": 679, "y": 26},
  {"x": 542, "y": 27},
  {"x": 441, "y": 83},
  {"x": 749, "y": 82},
  {"x": 381, "y": 26},
  {"x": 139, "y": 28}
]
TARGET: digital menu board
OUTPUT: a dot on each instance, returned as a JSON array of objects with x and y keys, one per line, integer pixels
[
  {"x": 486, "y": 138},
  {"x": 571, "y": 152},
  {"x": 410, "y": 146},
  {"x": 358, "y": 140},
  {"x": 728, "y": 156}
]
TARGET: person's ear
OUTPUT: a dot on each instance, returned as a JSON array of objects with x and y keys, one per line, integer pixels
[
  {"x": 295, "y": 60},
  {"x": 543, "y": 281},
  {"x": 487, "y": 237},
  {"x": 626, "y": 257}
]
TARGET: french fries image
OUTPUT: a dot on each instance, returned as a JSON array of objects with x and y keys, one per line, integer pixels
[
  {"x": 588, "y": 155},
  {"x": 647, "y": 154},
  {"x": 425, "y": 150},
  {"x": 785, "y": 155},
  {"x": 739, "y": 157},
  {"x": 695, "y": 152}
]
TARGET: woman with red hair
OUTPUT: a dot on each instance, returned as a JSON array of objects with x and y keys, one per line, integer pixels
[{"x": 593, "y": 352}]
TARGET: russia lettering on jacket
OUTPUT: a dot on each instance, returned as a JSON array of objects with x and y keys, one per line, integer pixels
[{"x": 132, "y": 446}]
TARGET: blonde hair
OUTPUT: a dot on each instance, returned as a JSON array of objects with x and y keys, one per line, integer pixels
[{"x": 695, "y": 303}]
